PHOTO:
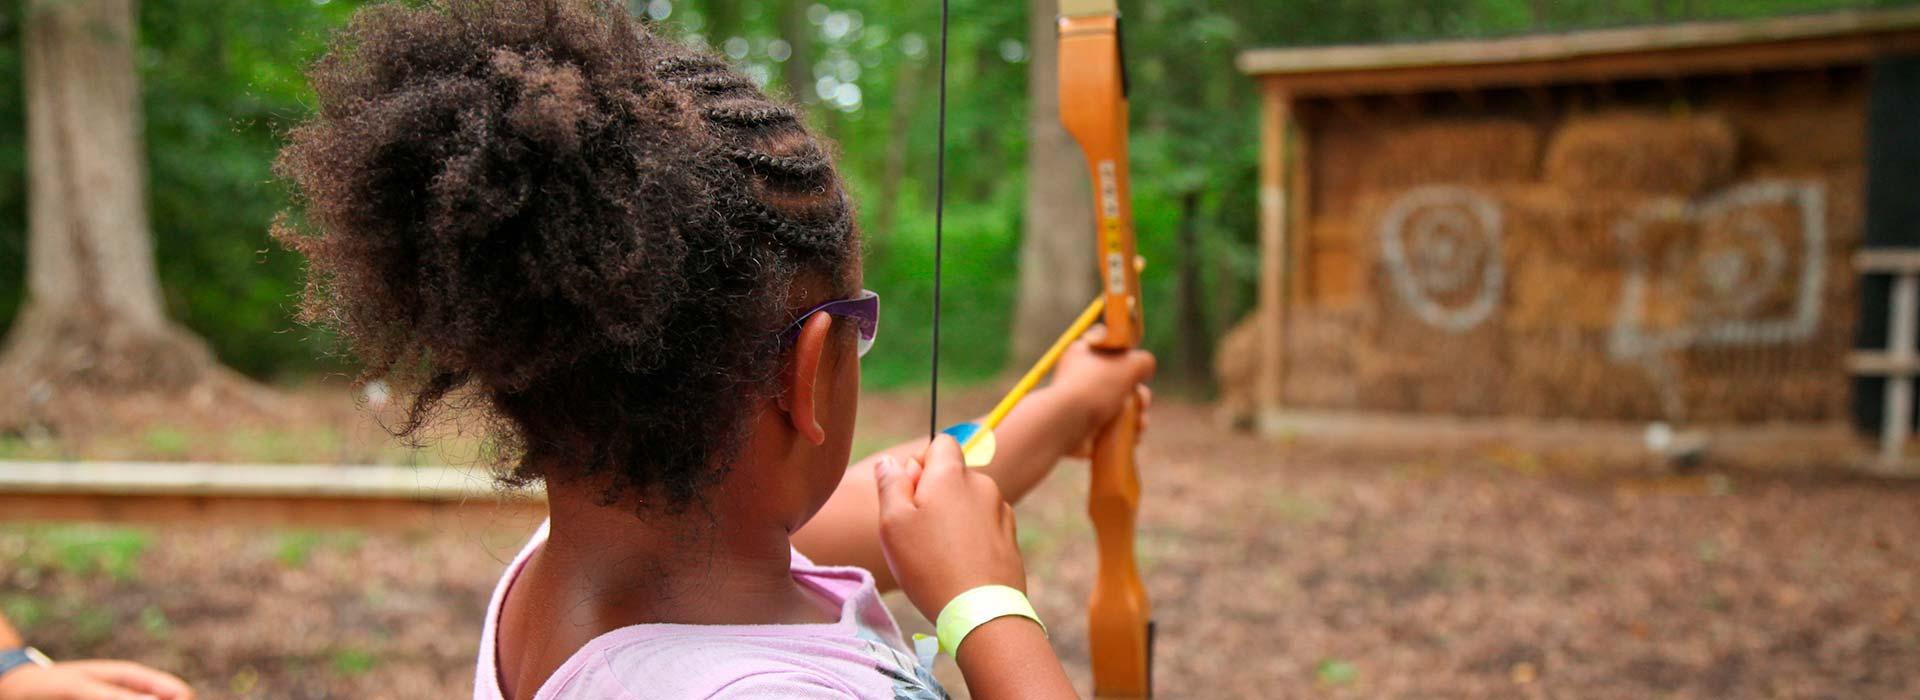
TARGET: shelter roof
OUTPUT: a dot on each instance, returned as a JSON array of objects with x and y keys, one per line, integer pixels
[{"x": 1642, "y": 52}]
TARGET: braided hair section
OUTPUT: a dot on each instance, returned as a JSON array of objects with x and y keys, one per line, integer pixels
[{"x": 588, "y": 228}]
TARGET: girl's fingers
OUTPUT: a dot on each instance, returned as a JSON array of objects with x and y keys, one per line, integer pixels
[
  {"x": 1145, "y": 364},
  {"x": 942, "y": 469},
  {"x": 136, "y": 677},
  {"x": 896, "y": 485},
  {"x": 943, "y": 459},
  {"x": 91, "y": 689},
  {"x": 1095, "y": 334}
]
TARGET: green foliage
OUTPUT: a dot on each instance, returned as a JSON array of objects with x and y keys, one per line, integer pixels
[
  {"x": 222, "y": 83},
  {"x": 353, "y": 661},
  {"x": 83, "y": 550},
  {"x": 293, "y": 549},
  {"x": 24, "y": 611},
  {"x": 167, "y": 443},
  {"x": 91, "y": 624},
  {"x": 154, "y": 622},
  {"x": 1335, "y": 672}
]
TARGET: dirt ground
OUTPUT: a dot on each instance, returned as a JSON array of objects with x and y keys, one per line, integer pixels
[{"x": 1277, "y": 569}]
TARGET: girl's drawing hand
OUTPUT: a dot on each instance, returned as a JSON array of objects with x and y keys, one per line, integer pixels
[{"x": 945, "y": 528}]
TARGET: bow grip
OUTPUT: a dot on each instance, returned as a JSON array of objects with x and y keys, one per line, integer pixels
[{"x": 1121, "y": 636}]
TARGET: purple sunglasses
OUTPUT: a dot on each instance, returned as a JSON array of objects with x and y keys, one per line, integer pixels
[{"x": 863, "y": 310}]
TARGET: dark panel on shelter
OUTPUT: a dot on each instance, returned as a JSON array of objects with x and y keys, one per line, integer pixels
[{"x": 1893, "y": 208}]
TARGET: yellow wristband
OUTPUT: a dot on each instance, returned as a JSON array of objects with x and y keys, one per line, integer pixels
[{"x": 977, "y": 607}]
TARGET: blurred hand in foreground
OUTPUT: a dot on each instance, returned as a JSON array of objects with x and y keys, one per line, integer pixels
[{"x": 91, "y": 680}]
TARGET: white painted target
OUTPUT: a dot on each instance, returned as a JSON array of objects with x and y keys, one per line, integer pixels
[
  {"x": 1442, "y": 250},
  {"x": 1740, "y": 259}
]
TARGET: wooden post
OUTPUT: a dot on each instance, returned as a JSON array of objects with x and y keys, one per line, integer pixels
[
  {"x": 1899, "y": 397},
  {"x": 1297, "y": 190},
  {"x": 1276, "y": 109}
]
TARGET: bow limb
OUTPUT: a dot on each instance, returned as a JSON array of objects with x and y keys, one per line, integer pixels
[{"x": 1093, "y": 107}]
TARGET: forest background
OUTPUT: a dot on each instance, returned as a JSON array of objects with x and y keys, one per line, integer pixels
[{"x": 221, "y": 82}]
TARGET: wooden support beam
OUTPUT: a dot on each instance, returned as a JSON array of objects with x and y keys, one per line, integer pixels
[
  {"x": 1353, "y": 107},
  {"x": 1471, "y": 96},
  {"x": 1411, "y": 105},
  {"x": 1604, "y": 91},
  {"x": 1676, "y": 86},
  {"x": 1440, "y": 74},
  {"x": 1299, "y": 189},
  {"x": 1276, "y": 116},
  {"x": 1542, "y": 98},
  {"x": 1877, "y": 363},
  {"x": 1682, "y": 47},
  {"x": 1887, "y": 260},
  {"x": 1899, "y": 398}
]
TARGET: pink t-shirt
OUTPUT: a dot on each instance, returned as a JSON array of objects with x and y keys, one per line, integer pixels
[{"x": 860, "y": 656}]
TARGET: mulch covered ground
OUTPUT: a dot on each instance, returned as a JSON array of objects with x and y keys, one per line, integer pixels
[{"x": 1276, "y": 569}]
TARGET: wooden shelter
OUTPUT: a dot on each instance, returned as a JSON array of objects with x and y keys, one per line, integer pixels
[{"x": 1645, "y": 223}]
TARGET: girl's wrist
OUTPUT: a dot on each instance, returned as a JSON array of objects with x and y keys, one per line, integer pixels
[
  {"x": 1076, "y": 407},
  {"x": 998, "y": 633}
]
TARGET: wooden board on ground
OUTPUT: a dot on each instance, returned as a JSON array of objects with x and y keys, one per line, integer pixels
[{"x": 384, "y": 497}]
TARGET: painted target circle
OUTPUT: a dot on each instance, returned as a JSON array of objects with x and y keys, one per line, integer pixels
[
  {"x": 1740, "y": 264},
  {"x": 1442, "y": 250}
]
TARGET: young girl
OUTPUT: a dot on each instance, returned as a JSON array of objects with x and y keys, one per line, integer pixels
[{"x": 648, "y": 272}]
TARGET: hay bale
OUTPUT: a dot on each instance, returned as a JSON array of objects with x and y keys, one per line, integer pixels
[
  {"x": 1822, "y": 127},
  {"x": 1350, "y": 161},
  {"x": 1457, "y": 151},
  {"x": 1320, "y": 367},
  {"x": 1679, "y": 155},
  {"x": 1565, "y": 373},
  {"x": 1236, "y": 366}
]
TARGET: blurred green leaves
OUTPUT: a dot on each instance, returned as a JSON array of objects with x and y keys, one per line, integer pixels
[{"x": 222, "y": 83}]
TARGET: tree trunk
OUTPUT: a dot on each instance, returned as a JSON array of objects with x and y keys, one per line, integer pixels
[
  {"x": 797, "y": 71},
  {"x": 723, "y": 21},
  {"x": 93, "y": 320},
  {"x": 1057, "y": 242},
  {"x": 894, "y": 168},
  {"x": 1195, "y": 347}
]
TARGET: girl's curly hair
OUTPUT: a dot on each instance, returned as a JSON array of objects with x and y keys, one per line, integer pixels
[{"x": 595, "y": 227}]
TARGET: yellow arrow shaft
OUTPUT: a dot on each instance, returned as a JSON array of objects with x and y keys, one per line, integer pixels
[{"x": 1039, "y": 370}]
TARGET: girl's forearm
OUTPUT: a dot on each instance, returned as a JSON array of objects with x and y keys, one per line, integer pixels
[
  {"x": 1041, "y": 430},
  {"x": 1010, "y": 658},
  {"x": 1032, "y": 439}
]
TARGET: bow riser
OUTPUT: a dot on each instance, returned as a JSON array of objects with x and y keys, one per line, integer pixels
[{"x": 1093, "y": 107}]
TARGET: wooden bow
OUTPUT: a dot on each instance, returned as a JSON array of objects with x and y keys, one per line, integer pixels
[{"x": 1093, "y": 107}]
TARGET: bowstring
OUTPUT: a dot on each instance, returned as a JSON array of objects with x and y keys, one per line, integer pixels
[{"x": 939, "y": 221}]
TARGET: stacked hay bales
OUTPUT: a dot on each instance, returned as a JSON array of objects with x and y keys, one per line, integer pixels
[
  {"x": 1591, "y": 210},
  {"x": 1324, "y": 345},
  {"x": 1636, "y": 152}
]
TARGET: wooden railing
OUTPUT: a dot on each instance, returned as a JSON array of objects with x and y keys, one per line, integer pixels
[{"x": 1897, "y": 363}]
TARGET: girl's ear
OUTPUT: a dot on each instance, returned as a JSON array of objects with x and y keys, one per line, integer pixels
[{"x": 798, "y": 397}]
